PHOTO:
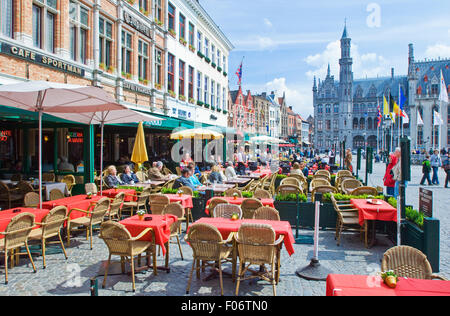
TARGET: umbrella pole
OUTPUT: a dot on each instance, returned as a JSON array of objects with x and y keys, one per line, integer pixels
[
  {"x": 101, "y": 157},
  {"x": 40, "y": 159}
]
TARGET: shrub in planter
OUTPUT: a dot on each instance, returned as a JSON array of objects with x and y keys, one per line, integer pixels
[
  {"x": 102, "y": 66},
  {"x": 158, "y": 86},
  {"x": 207, "y": 59},
  {"x": 172, "y": 94},
  {"x": 191, "y": 48},
  {"x": 200, "y": 103},
  {"x": 182, "y": 97},
  {"x": 110, "y": 69},
  {"x": 200, "y": 54},
  {"x": 326, "y": 198},
  {"x": 291, "y": 198},
  {"x": 247, "y": 194},
  {"x": 214, "y": 65},
  {"x": 219, "y": 69},
  {"x": 172, "y": 32},
  {"x": 158, "y": 22},
  {"x": 182, "y": 41}
]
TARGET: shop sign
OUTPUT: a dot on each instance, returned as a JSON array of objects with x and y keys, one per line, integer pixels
[
  {"x": 426, "y": 202},
  {"x": 136, "y": 24},
  {"x": 136, "y": 88},
  {"x": 75, "y": 137},
  {"x": 4, "y": 135},
  {"x": 26, "y": 54}
]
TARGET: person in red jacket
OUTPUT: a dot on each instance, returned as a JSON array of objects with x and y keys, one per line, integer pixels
[{"x": 388, "y": 179}]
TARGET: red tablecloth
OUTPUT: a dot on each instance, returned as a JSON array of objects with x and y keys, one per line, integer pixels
[
  {"x": 7, "y": 215},
  {"x": 263, "y": 172},
  {"x": 227, "y": 226},
  {"x": 111, "y": 193},
  {"x": 159, "y": 223},
  {"x": 238, "y": 201},
  {"x": 77, "y": 201},
  {"x": 186, "y": 200},
  {"x": 371, "y": 212},
  {"x": 363, "y": 285}
]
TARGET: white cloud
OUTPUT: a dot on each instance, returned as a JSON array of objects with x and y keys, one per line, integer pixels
[
  {"x": 438, "y": 50},
  {"x": 268, "y": 23},
  {"x": 265, "y": 43},
  {"x": 297, "y": 96},
  {"x": 364, "y": 65}
]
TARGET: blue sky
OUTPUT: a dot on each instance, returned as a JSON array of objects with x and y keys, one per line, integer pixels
[{"x": 287, "y": 42}]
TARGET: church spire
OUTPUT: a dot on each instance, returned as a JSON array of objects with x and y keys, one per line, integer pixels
[
  {"x": 344, "y": 34},
  {"x": 328, "y": 71}
]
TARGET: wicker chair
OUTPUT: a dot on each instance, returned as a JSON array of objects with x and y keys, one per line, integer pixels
[
  {"x": 257, "y": 245},
  {"x": 322, "y": 189},
  {"x": 267, "y": 213},
  {"x": 31, "y": 200},
  {"x": 347, "y": 219},
  {"x": 208, "y": 246},
  {"x": 323, "y": 173},
  {"x": 50, "y": 227},
  {"x": 92, "y": 218},
  {"x": 56, "y": 194},
  {"x": 168, "y": 184},
  {"x": 342, "y": 173},
  {"x": 115, "y": 209},
  {"x": 175, "y": 229},
  {"x": 249, "y": 206},
  {"x": 318, "y": 182},
  {"x": 227, "y": 211},
  {"x": 157, "y": 203},
  {"x": 178, "y": 171},
  {"x": 16, "y": 236},
  {"x": 213, "y": 203},
  {"x": 322, "y": 176},
  {"x": 166, "y": 171},
  {"x": 365, "y": 191},
  {"x": 247, "y": 186},
  {"x": 231, "y": 192},
  {"x": 91, "y": 187},
  {"x": 10, "y": 197},
  {"x": 348, "y": 185},
  {"x": 186, "y": 190},
  {"x": 16, "y": 177},
  {"x": 139, "y": 201},
  {"x": 25, "y": 187},
  {"x": 291, "y": 181},
  {"x": 302, "y": 179},
  {"x": 338, "y": 181},
  {"x": 289, "y": 189},
  {"x": 142, "y": 176},
  {"x": 69, "y": 180},
  {"x": 262, "y": 194},
  {"x": 120, "y": 243},
  {"x": 48, "y": 177},
  {"x": 408, "y": 262}
]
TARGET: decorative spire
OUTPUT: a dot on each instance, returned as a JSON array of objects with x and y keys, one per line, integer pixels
[
  {"x": 344, "y": 35},
  {"x": 328, "y": 71}
]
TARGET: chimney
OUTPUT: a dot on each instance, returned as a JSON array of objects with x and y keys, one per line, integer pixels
[{"x": 392, "y": 73}]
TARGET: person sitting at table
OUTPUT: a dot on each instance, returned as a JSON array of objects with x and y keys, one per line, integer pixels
[
  {"x": 229, "y": 171},
  {"x": 195, "y": 181},
  {"x": 184, "y": 180},
  {"x": 304, "y": 169},
  {"x": 186, "y": 160},
  {"x": 129, "y": 177},
  {"x": 296, "y": 169},
  {"x": 155, "y": 173},
  {"x": 196, "y": 170},
  {"x": 65, "y": 165},
  {"x": 215, "y": 176},
  {"x": 113, "y": 180}
]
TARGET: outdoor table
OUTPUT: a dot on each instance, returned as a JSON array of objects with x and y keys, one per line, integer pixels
[
  {"x": 363, "y": 285},
  {"x": 253, "y": 176},
  {"x": 185, "y": 200},
  {"x": 148, "y": 183},
  {"x": 160, "y": 224},
  {"x": 262, "y": 172},
  {"x": 238, "y": 181},
  {"x": 372, "y": 212},
  {"x": 111, "y": 193},
  {"x": 7, "y": 215},
  {"x": 77, "y": 201},
  {"x": 48, "y": 186},
  {"x": 227, "y": 226},
  {"x": 238, "y": 201},
  {"x": 218, "y": 188}
]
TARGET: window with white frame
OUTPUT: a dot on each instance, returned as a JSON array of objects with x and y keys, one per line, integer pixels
[
  {"x": 218, "y": 97},
  {"x": 43, "y": 24},
  {"x": 206, "y": 47},
  {"x": 157, "y": 11},
  {"x": 213, "y": 95},
  {"x": 206, "y": 90},
  {"x": 142, "y": 60},
  {"x": 106, "y": 40},
  {"x": 127, "y": 52},
  {"x": 199, "y": 86},
  {"x": 158, "y": 66},
  {"x": 78, "y": 31},
  {"x": 224, "y": 99},
  {"x": 199, "y": 41},
  {"x": 213, "y": 53},
  {"x": 7, "y": 21},
  {"x": 224, "y": 64},
  {"x": 219, "y": 59}
]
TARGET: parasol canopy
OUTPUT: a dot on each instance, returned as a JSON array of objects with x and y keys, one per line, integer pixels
[
  {"x": 196, "y": 133},
  {"x": 139, "y": 155}
]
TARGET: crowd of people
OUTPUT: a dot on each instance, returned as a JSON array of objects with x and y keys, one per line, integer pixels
[{"x": 431, "y": 165}]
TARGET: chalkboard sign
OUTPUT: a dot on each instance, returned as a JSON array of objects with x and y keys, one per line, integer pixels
[{"x": 426, "y": 202}]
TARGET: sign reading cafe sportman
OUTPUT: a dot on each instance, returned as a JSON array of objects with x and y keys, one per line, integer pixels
[{"x": 29, "y": 55}]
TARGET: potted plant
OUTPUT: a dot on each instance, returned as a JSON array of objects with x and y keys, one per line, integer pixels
[
  {"x": 158, "y": 22},
  {"x": 182, "y": 41},
  {"x": 390, "y": 278},
  {"x": 191, "y": 48},
  {"x": 213, "y": 65},
  {"x": 158, "y": 86},
  {"x": 172, "y": 32},
  {"x": 225, "y": 73},
  {"x": 131, "y": 2},
  {"x": 180, "y": 193},
  {"x": 235, "y": 196},
  {"x": 89, "y": 195},
  {"x": 141, "y": 214},
  {"x": 182, "y": 97},
  {"x": 235, "y": 217},
  {"x": 200, "y": 54},
  {"x": 102, "y": 66},
  {"x": 191, "y": 101},
  {"x": 207, "y": 59},
  {"x": 219, "y": 69},
  {"x": 172, "y": 94},
  {"x": 110, "y": 69}
]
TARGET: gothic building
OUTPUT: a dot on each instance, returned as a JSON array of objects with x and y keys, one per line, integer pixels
[{"x": 346, "y": 110}]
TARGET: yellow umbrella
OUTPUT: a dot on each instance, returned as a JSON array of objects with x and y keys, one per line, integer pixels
[
  {"x": 196, "y": 133},
  {"x": 139, "y": 155}
]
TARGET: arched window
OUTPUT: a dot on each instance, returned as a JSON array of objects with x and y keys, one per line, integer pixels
[
  {"x": 369, "y": 123},
  {"x": 362, "y": 123},
  {"x": 355, "y": 123}
]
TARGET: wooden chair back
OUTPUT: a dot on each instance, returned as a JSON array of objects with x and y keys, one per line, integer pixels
[
  {"x": 116, "y": 205},
  {"x": 255, "y": 243},
  {"x": 206, "y": 242},
  {"x": 56, "y": 194},
  {"x": 157, "y": 203},
  {"x": 117, "y": 238},
  {"x": 262, "y": 194},
  {"x": 232, "y": 191},
  {"x": 365, "y": 191},
  {"x": 18, "y": 230},
  {"x": 31, "y": 199}
]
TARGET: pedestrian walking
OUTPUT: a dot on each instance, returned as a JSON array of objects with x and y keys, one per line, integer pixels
[
  {"x": 388, "y": 179},
  {"x": 436, "y": 163},
  {"x": 397, "y": 172},
  {"x": 426, "y": 170},
  {"x": 446, "y": 167}
]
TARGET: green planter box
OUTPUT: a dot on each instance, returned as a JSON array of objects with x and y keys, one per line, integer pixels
[
  {"x": 288, "y": 212},
  {"x": 426, "y": 239}
]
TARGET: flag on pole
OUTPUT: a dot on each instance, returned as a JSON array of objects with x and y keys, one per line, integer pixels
[
  {"x": 378, "y": 116},
  {"x": 239, "y": 74},
  {"x": 405, "y": 118},
  {"x": 443, "y": 95},
  {"x": 437, "y": 119},
  {"x": 392, "y": 107},
  {"x": 419, "y": 119},
  {"x": 385, "y": 106},
  {"x": 401, "y": 102}
]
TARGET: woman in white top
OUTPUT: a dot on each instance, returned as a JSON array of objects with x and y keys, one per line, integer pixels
[{"x": 229, "y": 171}]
